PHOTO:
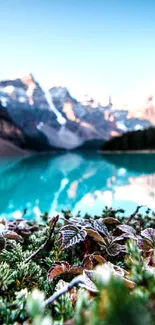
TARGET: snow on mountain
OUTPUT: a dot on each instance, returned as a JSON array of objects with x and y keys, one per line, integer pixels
[{"x": 59, "y": 120}]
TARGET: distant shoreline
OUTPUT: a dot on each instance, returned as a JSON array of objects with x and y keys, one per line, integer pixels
[
  {"x": 8, "y": 149},
  {"x": 122, "y": 152}
]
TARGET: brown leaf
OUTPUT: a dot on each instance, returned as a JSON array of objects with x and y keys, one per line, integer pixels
[
  {"x": 88, "y": 262},
  {"x": 119, "y": 238},
  {"x": 96, "y": 236},
  {"x": 88, "y": 277},
  {"x": 114, "y": 249},
  {"x": 118, "y": 270},
  {"x": 127, "y": 229},
  {"x": 57, "y": 270},
  {"x": 63, "y": 268},
  {"x": 3, "y": 222},
  {"x": 53, "y": 222},
  {"x": 71, "y": 235},
  {"x": 26, "y": 233},
  {"x": 75, "y": 270},
  {"x": 99, "y": 226},
  {"x": 129, "y": 236},
  {"x": 99, "y": 259},
  {"x": 13, "y": 235},
  {"x": 150, "y": 259},
  {"x": 145, "y": 245},
  {"x": 92, "y": 260},
  {"x": 129, "y": 284},
  {"x": 149, "y": 233},
  {"x": 110, "y": 221}
]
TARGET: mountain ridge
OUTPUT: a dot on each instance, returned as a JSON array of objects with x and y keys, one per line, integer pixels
[{"x": 60, "y": 120}]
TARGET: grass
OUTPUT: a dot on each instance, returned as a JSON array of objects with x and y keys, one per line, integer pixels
[{"x": 74, "y": 270}]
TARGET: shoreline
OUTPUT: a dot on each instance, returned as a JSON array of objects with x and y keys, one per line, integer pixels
[
  {"x": 8, "y": 149},
  {"x": 122, "y": 152}
]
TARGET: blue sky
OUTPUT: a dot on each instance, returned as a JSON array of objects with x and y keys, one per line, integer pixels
[{"x": 90, "y": 46}]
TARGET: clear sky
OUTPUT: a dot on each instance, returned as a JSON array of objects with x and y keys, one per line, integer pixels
[{"x": 91, "y": 46}]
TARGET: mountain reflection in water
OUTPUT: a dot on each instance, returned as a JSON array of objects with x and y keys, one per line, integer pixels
[{"x": 76, "y": 181}]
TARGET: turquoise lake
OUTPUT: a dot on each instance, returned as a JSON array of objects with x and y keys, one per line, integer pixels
[{"x": 76, "y": 181}]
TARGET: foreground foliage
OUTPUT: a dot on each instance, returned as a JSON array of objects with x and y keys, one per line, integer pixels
[{"x": 72, "y": 270}]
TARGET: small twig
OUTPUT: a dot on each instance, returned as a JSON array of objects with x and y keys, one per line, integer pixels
[
  {"x": 134, "y": 213},
  {"x": 75, "y": 282},
  {"x": 47, "y": 242}
]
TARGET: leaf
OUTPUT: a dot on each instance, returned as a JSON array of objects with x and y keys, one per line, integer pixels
[
  {"x": 99, "y": 226},
  {"x": 75, "y": 270},
  {"x": 88, "y": 262},
  {"x": 127, "y": 229},
  {"x": 145, "y": 245},
  {"x": 114, "y": 249},
  {"x": 53, "y": 221},
  {"x": 88, "y": 277},
  {"x": 149, "y": 233},
  {"x": 95, "y": 235},
  {"x": 71, "y": 235},
  {"x": 110, "y": 221},
  {"x": 99, "y": 259},
  {"x": 80, "y": 221},
  {"x": 127, "y": 235},
  {"x": 119, "y": 238},
  {"x": 63, "y": 268},
  {"x": 91, "y": 259},
  {"x": 57, "y": 270},
  {"x": 118, "y": 270},
  {"x": 129, "y": 284},
  {"x": 12, "y": 235},
  {"x": 113, "y": 270},
  {"x": 150, "y": 259},
  {"x": 3, "y": 222}
]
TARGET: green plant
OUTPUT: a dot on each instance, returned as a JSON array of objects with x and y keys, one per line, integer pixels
[{"x": 77, "y": 270}]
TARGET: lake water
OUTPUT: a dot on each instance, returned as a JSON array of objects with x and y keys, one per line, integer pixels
[{"x": 75, "y": 181}]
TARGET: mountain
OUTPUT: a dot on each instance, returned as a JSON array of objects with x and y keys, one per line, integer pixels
[
  {"x": 54, "y": 119},
  {"x": 23, "y": 93},
  {"x": 13, "y": 137}
]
